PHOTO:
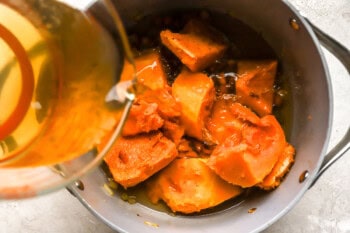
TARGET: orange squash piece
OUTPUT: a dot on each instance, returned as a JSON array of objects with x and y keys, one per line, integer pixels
[
  {"x": 254, "y": 86},
  {"x": 173, "y": 130},
  {"x": 285, "y": 161},
  {"x": 168, "y": 107},
  {"x": 228, "y": 118},
  {"x": 149, "y": 70},
  {"x": 247, "y": 160},
  {"x": 195, "y": 93},
  {"x": 143, "y": 118},
  {"x": 150, "y": 111},
  {"x": 197, "y": 46},
  {"x": 187, "y": 185},
  {"x": 134, "y": 159}
]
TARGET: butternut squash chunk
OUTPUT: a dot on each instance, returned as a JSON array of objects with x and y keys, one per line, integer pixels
[
  {"x": 149, "y": 70},
  {"x": 150, "y": 111},
  {"x": 134, "y": 159},
  {"x": 285, "y": 161},
  {"x": 195, "y": 93},
  {"x": 228, "y": 118},
  {"x": 143, "y": 118},
  {"x": 198, "y": 46},
  {"x": 247, "y": 160},
  {"x": 254, "y": 86},
  {"x": 168, "y": 107},
  {"x": 173, "y": 130},
  {"x": 187, "y": 185}
]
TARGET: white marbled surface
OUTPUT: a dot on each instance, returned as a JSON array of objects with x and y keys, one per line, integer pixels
[{"x": 324, "y": 208}]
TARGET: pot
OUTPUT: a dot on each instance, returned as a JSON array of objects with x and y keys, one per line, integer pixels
[{"x": 295, "y": 42}]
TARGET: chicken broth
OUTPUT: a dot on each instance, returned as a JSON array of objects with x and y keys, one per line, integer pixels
[{"x": 243, "y": 44}]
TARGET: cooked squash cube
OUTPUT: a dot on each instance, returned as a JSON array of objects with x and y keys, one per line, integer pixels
[
  {"x": 228, "y": 118},
  {"x": 196, "y": 93},
  {"x": 134, "y": 159},
  {"x": 285, "y": 161},
  {"x": 247, "y": 160},
  {"x": 168, "y": 107},
  {"x": 143, "y": 118},
  {"x": 149, "y": 70},
  {"x": 173, "y": 131},
  {"x": 187, "y": 185},
  {"x": 254, "y": 86},
  {"x": 198, "y": 46}
]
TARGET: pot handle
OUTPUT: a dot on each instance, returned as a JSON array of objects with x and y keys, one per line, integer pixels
[{"x": 343, "y": 55}]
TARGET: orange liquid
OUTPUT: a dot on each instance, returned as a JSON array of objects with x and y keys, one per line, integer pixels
[{"x": 73, "y": 61}]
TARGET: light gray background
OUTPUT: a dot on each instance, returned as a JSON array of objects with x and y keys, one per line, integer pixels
[{"x": 324, "y": 208}]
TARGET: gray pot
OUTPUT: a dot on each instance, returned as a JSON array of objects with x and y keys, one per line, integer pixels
[{"x": 296, "y": 45}]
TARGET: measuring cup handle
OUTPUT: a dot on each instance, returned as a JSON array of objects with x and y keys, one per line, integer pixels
[{"x": 343, "y": 55}]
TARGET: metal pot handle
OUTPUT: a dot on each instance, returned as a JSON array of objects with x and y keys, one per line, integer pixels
[{"x": 343, "y": 55}]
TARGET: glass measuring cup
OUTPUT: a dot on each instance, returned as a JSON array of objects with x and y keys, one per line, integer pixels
[{"x": 56, "y": 120}]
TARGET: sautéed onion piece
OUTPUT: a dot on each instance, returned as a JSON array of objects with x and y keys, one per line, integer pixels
[{"x": 203, "y": 130}]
